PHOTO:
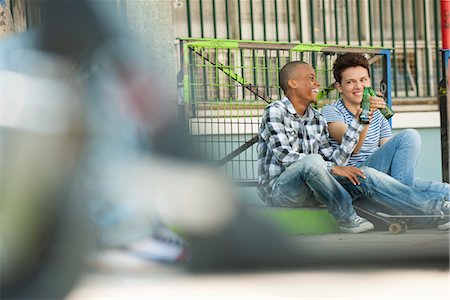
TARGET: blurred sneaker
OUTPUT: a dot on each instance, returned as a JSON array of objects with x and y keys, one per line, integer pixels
[
  {"x": 163, "y": 246},
  {"x": 443, "y": 223},
  {"x": 356, "y": 225},
  {"x": 446, "y": 208}
]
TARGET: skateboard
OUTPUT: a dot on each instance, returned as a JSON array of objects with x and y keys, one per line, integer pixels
[
  {"x": 394, "y": 227},
  {"x": 383, "y": 216}
]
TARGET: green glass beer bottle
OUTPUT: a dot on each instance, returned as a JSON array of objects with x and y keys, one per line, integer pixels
[
  {"x": 365, "y": 105},
  {"x": 387, "y": 112}
]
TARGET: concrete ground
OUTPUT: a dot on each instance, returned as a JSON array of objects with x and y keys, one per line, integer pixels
[
  {"x": 374, "y": 265},
  {"x": 426, "y": 246}
]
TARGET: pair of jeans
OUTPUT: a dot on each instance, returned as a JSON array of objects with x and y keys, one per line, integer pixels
[
  {"x": 307, "y": 183},
  {"x": 391, "y": 193},
  {"x": 398, "y": 158}
]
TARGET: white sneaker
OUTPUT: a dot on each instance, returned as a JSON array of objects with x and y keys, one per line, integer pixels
[
  {"x": 444, "y": 222},
  {"x": 356, "y": 225},
  {"x": 443, "y": 226}
]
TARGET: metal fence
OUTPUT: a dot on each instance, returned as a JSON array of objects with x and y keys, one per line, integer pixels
[
  {"x": 227, "y": 84},
  {"x": 410, "y": 27}
]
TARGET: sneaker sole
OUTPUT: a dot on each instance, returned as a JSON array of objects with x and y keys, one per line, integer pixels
[{"x": 366, "y": 227}]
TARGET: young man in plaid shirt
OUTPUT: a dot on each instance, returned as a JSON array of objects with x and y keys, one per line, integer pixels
[{"x": 299, "y": 168}]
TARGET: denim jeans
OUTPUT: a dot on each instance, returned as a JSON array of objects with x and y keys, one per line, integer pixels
[
  {"x": 398, "y": 158},
  {"x": 307, "y": 183},
  {"x": 391, "y": 193}
]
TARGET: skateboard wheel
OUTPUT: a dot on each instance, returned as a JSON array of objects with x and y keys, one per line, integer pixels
[{"x": 397, "y": 228}]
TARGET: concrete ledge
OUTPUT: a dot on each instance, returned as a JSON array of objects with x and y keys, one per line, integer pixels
[
  {"x": 429, "y": 119},
  {"x": 300, "y": 221}
]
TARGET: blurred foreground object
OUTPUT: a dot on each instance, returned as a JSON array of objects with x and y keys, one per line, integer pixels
[
  {"x": 85, "y": 124},
  {"x": 41, "y": 135}
]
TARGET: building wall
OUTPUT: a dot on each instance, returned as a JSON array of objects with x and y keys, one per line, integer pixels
[{"x": 153, "y": 24}]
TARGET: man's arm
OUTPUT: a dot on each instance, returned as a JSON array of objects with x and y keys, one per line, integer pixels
[
  {"x": 340, "y": 155},
  {"x": 337, "y": 131},
  {"x": 385, "y": 132},
  {"x": 384, "y": 141},
  {"x": 350, "y": 172}
]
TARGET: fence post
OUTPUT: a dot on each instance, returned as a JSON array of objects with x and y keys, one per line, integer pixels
[
  {"x": 444, "y": 103},
  {"x": 443, "y": 88},
  {"x": 445, "y": 23}
]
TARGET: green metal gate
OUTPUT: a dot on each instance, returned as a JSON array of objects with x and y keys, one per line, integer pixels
[{"x": 228, "y": 83}]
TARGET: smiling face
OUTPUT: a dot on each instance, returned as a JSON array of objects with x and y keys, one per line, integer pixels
[
  {"x": 352, "y": 84},
  {"x": 303, "y": 84}
]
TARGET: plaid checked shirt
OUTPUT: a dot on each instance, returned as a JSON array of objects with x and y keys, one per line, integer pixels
[{"x": 286, "y": 137}]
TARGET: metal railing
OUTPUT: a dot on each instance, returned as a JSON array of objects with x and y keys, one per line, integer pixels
[{"x": 410, "y": 27}]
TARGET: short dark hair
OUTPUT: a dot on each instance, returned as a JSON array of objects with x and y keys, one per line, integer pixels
[
  {"x": 286, "y": 73},
  {"x": 346, "y": 61}
]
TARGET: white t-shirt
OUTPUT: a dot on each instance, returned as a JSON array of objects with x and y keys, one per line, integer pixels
[{"x": 379, "y": 128}]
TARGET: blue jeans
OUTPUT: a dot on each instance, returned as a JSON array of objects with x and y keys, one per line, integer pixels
[
  {"x": 398, "y": 158},
  {"x": 307, "y": 183},
  {"x": 391, "y": 193}
]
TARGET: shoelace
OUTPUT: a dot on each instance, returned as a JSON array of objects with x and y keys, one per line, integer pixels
[
  {"x": 169, "y": 237},
  {"x": 359, "y": 220}
]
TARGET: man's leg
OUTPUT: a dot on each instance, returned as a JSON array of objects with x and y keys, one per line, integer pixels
[
  {"x": 307, "y": 181},
  {"x": 433, "y": 188},
  {"x": 389, "y": 192},
  {"x": 398, "y": 157}
]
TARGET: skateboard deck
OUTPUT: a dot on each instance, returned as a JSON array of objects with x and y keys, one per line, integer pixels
[{"x": 384, "y": 217}]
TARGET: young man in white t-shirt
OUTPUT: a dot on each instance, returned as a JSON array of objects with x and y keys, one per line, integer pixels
[{"x": 377, "y": 147}]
